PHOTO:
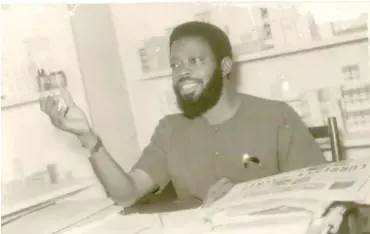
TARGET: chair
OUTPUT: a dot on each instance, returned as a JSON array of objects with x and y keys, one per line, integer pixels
[{"x": 331, "y": 131}]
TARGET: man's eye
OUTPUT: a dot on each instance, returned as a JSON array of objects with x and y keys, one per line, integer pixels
[
  {"x": 195, "y": 60},
  {"x": 174, "y": 65}
]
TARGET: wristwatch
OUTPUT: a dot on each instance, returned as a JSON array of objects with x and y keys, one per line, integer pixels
[{"x": 97, "y": 146}]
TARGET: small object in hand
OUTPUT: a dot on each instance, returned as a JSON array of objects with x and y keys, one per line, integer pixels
[
  {"x": 54, "y": 80},
  {"x": 248, "y": 160}
]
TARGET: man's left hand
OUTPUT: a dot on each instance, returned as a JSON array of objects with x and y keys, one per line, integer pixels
[{"x": 218, "y": 190}]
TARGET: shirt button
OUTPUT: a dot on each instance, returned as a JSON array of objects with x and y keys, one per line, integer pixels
[
  {"x": 217, "y": 153},
  {"x": 216, "y": 129}
]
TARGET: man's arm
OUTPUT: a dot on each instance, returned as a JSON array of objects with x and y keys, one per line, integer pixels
[
  {"x": 124, "y": 188},
  {"x": 296, "y": 146},
  {"x": 149, "y": 173}
]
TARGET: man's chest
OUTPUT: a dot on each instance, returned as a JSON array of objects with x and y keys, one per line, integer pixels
[{"x": 202, "y": 154}]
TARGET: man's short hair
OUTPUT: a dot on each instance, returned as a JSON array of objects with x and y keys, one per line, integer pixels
[{"x": 216, "y": 37}]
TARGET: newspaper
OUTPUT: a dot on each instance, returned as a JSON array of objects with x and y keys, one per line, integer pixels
[{"x": 297, "y": 195}]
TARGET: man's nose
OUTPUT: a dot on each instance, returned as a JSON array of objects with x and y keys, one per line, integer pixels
[{"x": 185, "y": 72}]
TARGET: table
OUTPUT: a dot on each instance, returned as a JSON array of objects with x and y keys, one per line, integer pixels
[{"x": 102, "y": 216}]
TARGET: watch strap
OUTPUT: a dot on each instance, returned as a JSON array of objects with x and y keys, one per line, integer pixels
[{"x": 97, "y": 146}]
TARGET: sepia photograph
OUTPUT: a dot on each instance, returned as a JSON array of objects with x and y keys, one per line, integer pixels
[{"x": 185, "y": 117}]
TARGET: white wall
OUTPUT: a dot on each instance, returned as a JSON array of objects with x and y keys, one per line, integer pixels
[
  {"x": 85, "y": 47},
  {"x": 27, "y": 133},
  {"x": 105, "y": 82}
]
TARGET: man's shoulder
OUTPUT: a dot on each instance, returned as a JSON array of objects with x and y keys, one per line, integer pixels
[
  {"x": 259, "y": 104},
  {"x": 268, "y": 109},
  {"x": 175, "y": 119}
]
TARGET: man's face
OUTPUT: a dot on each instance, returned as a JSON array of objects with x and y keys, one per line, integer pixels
[{"x": 197, "y": 78}]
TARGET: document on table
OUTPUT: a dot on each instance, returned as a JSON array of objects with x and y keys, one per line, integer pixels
[
  {"x": 118, "y": 223},
  {"x": 181, "y": 222},
  {"x": 185, "y": 221}
]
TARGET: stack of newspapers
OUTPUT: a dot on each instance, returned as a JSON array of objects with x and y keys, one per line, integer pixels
[
  {"x": 312, "y": 200},
  {"x": 317, "y": 196}
]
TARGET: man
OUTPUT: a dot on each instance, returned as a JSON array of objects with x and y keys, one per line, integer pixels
[{"x": 209, "y": 144}]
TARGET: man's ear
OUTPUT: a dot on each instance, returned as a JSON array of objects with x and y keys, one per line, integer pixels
[{"x": 226, "y": 66}]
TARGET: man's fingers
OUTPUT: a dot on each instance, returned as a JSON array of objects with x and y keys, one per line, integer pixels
[
  {"x": 63, "y": 111},
  {"x": 53, "y": 106},
  {"x": 42, "y": 102},
  {"x": 40, "y": 78},
  {"x": 48, "y": 104},
  {"x": 64, "y": 93}
]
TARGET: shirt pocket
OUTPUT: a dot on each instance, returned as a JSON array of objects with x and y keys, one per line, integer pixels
[{"x": 258, "y": 141}]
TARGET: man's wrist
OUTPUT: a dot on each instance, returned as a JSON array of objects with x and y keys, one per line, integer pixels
[
  {"x": 98, "y": 145},
  {"x": 89, "y": 140}
]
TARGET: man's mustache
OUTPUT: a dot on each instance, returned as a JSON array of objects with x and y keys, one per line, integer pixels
[{"x": 189, "y": 79}]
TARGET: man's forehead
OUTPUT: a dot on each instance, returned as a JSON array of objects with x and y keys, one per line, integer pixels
[
  {"x": 190, "y": 45},
  {"x": 192, "y": 42}
]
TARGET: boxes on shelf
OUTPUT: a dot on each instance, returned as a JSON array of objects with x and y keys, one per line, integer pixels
[
  {"x": 356, "y": 104},
  {"x": 316, "y": 106},
  {"x": 331, "y": 106},
  {"x": 352, "y": 25},
  {"x": 285, "y": 26},
  {"x": 355, "y": 100},
  {"x": 325, "y": 30}
]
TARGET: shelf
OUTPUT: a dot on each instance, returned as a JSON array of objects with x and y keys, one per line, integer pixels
[
  {"x": 32, "y": 196},
  {"x": 156, "y": 74},
  {"x": 282, "y": 51},
  {"x": 347, "y": 143},
  {"x": 314, "y": 45},
  {"x": 357, "y": 108},
  {"x": 25, "y": 99},
  {"x": 359, "y": 85}
]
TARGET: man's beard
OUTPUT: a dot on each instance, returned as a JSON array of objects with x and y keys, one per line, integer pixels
[{"x": 197, "y": 106}]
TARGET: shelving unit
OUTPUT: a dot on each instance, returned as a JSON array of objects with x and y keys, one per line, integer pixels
[
  {"x": 278, "y": 52},
  {"x": 36, "y": 196},
  {"x": 25, "y": 99},
  {"x": 346, "y": 143},
  {"x": 336, "y": 41}
]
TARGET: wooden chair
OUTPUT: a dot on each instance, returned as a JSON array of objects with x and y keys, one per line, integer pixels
[{"x": 331, "y": 131}]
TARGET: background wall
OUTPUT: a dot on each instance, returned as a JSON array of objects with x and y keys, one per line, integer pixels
[
  {"x": 85, "y": 47},
  {"x": 105, "y": 82},
  {"x": 27, "y": 134},
  {"x": 306, "y": 71}
]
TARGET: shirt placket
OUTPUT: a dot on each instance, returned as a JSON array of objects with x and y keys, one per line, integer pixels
[{"x": 217, "y": 150}]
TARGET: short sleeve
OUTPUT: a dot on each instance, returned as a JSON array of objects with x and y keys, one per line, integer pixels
[
  {"x": 154, "y": 157},
  {"x": 296, "y": 146}
]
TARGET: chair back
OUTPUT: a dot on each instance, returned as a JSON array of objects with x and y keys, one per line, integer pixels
[{"x": 330, "y": 131}]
